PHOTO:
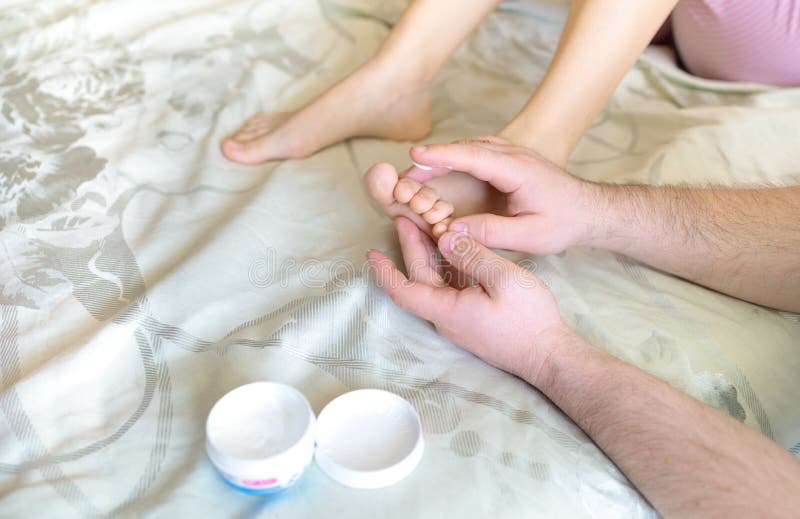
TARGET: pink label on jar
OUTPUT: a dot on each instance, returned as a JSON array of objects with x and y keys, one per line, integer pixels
[{"x": 260, "y": 482}]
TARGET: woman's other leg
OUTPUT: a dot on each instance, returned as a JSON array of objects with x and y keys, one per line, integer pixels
[
  {"x": 601, "y": 41},
  {"x": 387, "y": 97}
]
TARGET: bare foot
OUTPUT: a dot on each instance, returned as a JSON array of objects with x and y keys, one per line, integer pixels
[
  {"x": 373, "y": 101},
  {"x": 432, "y": 205}
]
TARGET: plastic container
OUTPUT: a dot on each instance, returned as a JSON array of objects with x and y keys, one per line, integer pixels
[
  {"x": 260, "y": 437},
  {"x": 369, "y": 439}
]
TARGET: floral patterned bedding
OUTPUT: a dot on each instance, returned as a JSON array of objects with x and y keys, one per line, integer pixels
[{"x": 142, "y": 275}]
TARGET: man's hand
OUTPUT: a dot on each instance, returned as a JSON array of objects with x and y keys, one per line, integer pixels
[
  {"x": 742, "y": 242},
  {"x": 546, "y": 209},
  {"x": 687, "y": 458},
  {"x": 509, "y": 319}
]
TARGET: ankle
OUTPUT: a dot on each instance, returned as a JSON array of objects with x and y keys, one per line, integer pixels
[
  {"x": 417, "y": 75},
  {"x": 545, "y": 144}
]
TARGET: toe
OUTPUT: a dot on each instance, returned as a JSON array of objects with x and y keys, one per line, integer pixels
[
  {"x": 249, "y": 152},
  {"x": 231, "y": 147},
  {"x": 405, "y": 190},
  {"x": 440, "y": 228},
  {"x": 255, "y": 130},
  {"x": 380, "y": 182},
  {"x": 248, "y": 134},
  {"x": 262, "y": 125},
  {"x": 424, "y": 200},
  {"x": 256, "y": 125},
  {"x": 259, "y": 119},
  {"x": 440, "y": 210}
]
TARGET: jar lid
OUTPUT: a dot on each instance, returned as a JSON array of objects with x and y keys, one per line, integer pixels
[{"x": 368, "y": 439}]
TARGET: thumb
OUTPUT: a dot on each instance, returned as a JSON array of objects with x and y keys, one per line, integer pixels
[
  {"x": 498, "y": 232},
  {"x": 468, "y": 256},
  {"x": 502, "y": 170}
]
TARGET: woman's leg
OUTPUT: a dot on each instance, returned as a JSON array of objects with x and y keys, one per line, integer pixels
[
  {"x": 740, "y": 41},
  {"x": 388, "y": 97},
  {"x": 601, "y": 41}
]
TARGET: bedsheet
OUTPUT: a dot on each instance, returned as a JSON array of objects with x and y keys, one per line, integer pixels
[{"x": 143, "y": 275}]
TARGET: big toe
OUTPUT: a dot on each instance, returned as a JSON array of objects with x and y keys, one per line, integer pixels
[
  {"x": 249, "y": 152},
  {"x": 380, "y": 181},
  {"x": 234, "y": 149}
]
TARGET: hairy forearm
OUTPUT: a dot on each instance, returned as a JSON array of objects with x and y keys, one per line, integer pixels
[
  {"x": 743, "y": 242},
  {"x": 686, "y": 458}
]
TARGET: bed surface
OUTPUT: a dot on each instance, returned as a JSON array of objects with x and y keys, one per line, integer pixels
[{"x": 142, "y": 275}]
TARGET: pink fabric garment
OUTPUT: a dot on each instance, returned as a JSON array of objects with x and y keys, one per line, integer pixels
[{"x": 740, "y": 40}]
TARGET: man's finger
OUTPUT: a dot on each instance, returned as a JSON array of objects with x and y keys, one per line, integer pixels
[
  {"x": 491, "y": 271},
  {"x": 418, "y": 298},
  {"x": 499, "y": 169},
  {"x": 422, "y": 173},
  {"x": 497, "y": 232},
  {"x": 419, "y": 253}
]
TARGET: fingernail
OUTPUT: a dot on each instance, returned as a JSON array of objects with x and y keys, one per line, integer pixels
[
  {"x": 428, "y": 168},
  {"x": 459, "y": 244},
  {"x": 419, "y": 149},
  {"x": 422, "y": 166},
  {"x": 460, "y": 227}
]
